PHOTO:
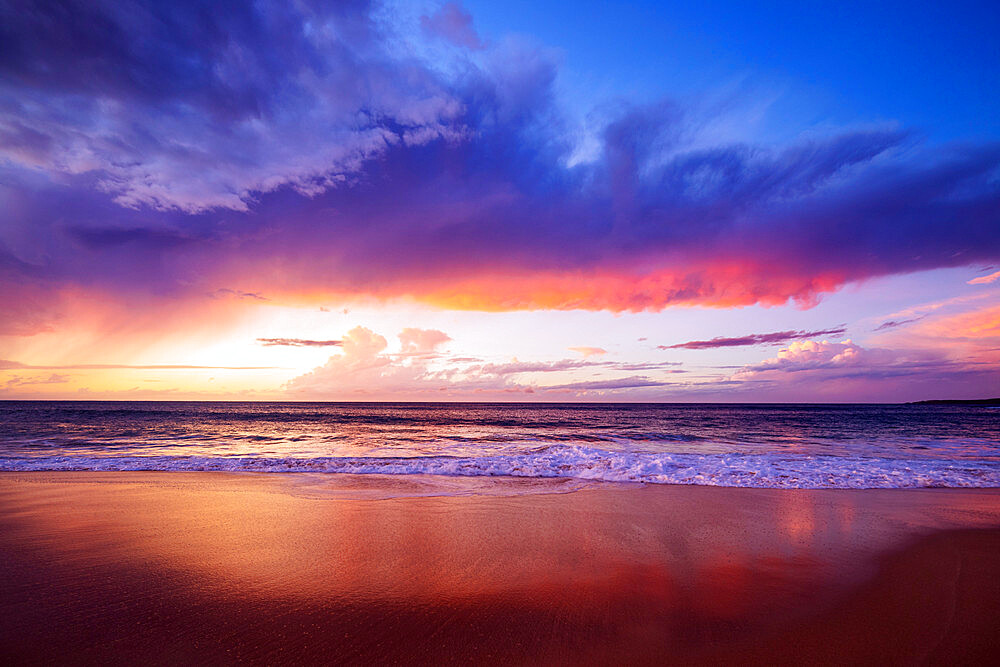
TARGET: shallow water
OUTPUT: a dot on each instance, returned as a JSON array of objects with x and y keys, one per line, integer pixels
[{"x": 779, "y": 446}]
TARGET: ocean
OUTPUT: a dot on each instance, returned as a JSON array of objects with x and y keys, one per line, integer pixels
[{"x": 751, "y": 445}]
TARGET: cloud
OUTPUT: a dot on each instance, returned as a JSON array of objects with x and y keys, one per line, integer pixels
[
  {"x": 588, "y": 352},
  {"x": 264, "y": 80},
  {"x": 239, "y": 294},
  {"x": 453, "y": 24},
  {"x": 985, "y": 280},
  {"x": 634, "y": 382},
  {"x": 951, "y": 304},
  {"x": 515, "y": 367},
  {"x": 19, "y": 381},
  {"x": 297, "y": 342},
  {"x": 421, "y": 341},
  {"x": 849, "y": 369},
  {"x": 290, "y": 149},
  {"x": 644, "y": 366},
  {"x": 775, "y": 338},
  {"x": 892, "y": 324},
  {"x": 965, "y": 332},
  {"x": 6, "y": 364},
  {"x": 810, "y": 355},
  {"x": 981, "y": 324},
  {"x": 365, "y": 369}
]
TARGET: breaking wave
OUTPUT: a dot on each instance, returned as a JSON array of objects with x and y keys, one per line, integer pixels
[{"x": 772, "y": 470}]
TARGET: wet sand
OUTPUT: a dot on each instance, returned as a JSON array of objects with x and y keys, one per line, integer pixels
[{"x": 217, "y": 568}]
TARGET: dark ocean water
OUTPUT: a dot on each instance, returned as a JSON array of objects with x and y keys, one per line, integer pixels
[{"x": 793, "y": 446}]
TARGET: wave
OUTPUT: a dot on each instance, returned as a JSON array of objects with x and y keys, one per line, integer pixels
[{"x": 734, "y": 470}]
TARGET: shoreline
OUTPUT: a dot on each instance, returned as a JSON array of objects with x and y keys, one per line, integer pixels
[
  {"x": 215, "y": 567},
  {"x": 479, "y": 484}
]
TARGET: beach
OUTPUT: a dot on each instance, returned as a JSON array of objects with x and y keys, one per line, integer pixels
[
  {"x": 435, "y": 332},
  {"x": 218, "y": 568}
]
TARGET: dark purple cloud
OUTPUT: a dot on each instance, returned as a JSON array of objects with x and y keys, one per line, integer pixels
[
  {"x": 287, "y": 148},
  {"x": 297, "y": 342},
  {"x": 776, "y": 338},
  {"x": 892, "y": 324}
]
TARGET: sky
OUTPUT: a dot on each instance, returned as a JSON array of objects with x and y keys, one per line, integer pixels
[{"x": 523, "y": 201}]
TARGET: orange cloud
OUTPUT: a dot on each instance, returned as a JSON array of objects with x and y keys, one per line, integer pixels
[
  {"x": 973, "y": 325},
  {"x": 588, "y": 351},
  {"x": 718, "y": 285}
]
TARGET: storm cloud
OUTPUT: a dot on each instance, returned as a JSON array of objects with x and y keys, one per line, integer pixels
[{"x": 311, "y": 148}]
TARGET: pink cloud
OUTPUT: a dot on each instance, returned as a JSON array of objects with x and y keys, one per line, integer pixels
[
  {"x": 827, "y": 370},
  {"x": 422, "y": 341},
  {"x": 985, "y": 280},
  {"x": 802, "y": 355},
  {"x": 365, "y": 370},
  {"x": 453, "y": 24},
  {"x": 980, "y": 324},
  {"x": 967, "y": 328}
]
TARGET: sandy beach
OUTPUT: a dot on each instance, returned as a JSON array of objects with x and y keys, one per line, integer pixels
[{"x": 217, "y": 568}]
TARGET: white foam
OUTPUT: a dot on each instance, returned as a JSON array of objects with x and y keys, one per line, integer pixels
[{"x": 582, "y": 462}]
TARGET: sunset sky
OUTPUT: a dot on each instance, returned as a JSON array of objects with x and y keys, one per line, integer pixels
[{"x": 523, "y": 201}]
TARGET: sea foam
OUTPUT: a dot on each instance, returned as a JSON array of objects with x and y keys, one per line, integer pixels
[{"x": 777, "y": 470}]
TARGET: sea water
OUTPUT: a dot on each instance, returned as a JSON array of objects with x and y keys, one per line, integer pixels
[{"x": 777, "y": 446}]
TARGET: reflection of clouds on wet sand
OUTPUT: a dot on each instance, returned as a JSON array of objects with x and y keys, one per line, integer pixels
[{"x": 596, "y": 571}]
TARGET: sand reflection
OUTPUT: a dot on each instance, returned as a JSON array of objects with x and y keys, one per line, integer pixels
[{"x": 662, "y": 566}]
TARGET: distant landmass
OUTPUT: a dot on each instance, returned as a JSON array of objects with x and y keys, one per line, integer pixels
[{"x": 953, "y": 401}]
